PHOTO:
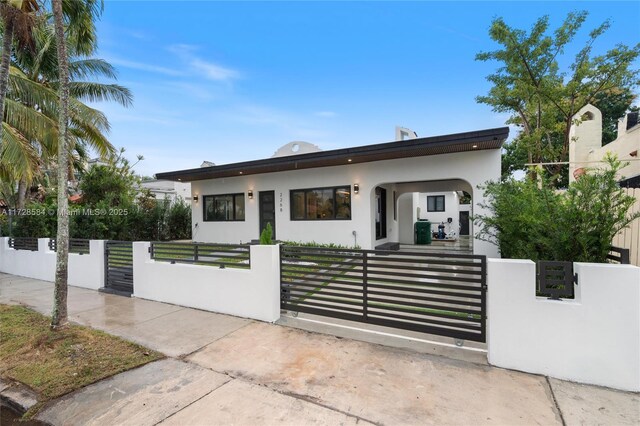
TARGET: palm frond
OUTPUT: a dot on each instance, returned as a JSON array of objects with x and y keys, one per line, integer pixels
[
  {"x": 97, "y": 92},
  {"x": 83, "y": 68},
  {"x": 31, "y": 124},
  {"x": 17, "y": 154}
]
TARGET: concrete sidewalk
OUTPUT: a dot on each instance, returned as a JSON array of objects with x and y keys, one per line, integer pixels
[{"x": 227, "y": 370}]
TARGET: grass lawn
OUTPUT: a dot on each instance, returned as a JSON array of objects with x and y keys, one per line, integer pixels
[{"x": 54, "y": 363}]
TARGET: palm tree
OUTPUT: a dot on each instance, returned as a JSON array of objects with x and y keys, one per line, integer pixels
[
  {"x": 17, "y": 19},
  {"x": 59, "y": 315},
  {"x": 31, "y": 128}
]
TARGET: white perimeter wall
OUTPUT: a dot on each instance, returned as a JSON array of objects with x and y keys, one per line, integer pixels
[
  {"x": 250, "y": 293},
  {"x": 473, "y": 167},
  {"x": 85, "y": 270},
  {"x": 593, "y": 339}
]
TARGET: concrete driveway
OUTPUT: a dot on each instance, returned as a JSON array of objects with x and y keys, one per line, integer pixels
[{"x": 227, "y": 370}]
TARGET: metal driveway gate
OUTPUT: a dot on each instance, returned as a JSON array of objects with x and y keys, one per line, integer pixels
[
  {"x": 443, "y": 294},
  {"x": 118, "y": 265}
]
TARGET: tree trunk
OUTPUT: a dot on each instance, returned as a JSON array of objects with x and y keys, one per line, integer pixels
[
  {"x": 22, "y": 193},
  {"x": 4, "y": 65},
  {"x": 59, "y": 314}
]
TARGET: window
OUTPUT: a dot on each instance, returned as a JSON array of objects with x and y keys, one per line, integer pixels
[
  {"x": 435, "y": 203},
  {"x": 321, "y": 203},
  {"x": 222, "y": 208}
]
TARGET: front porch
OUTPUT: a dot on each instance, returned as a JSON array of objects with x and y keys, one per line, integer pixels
[{"x": 462, "y": 245}]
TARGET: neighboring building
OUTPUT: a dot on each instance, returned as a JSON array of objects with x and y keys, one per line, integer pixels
[
  {"x": 346, "y": 196},
  {"x": 586, "y": 150},
  {"x": 167, "y": 189}
]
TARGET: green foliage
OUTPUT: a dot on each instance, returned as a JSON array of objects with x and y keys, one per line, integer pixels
[
  {"x": 531, "y": 220},
  {"x": 319, "y": 245},
  {"x": 179, "y": 221},
  {"x": 113, "y": 208},
  {"x": 266, "y": 235},
  {"x": 42, "y": 222},
  {"x": 542, "y": 98}
]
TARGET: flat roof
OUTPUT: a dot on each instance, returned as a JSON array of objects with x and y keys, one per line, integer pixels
[{"x": 435, "y": 145}]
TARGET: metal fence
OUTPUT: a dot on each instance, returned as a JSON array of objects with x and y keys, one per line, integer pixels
[
  {"x": 442, "y": 294},
  {"x": 619, "y": 255},
  {"x": 221, "y": 255},
  {"x": 555, "y": 279},
  {"x": 118, "y": 266},
  {"x": 76, "y": 245},
  {"x": 23, "y": 243}
]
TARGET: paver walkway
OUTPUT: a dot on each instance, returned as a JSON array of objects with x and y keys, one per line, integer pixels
[{"x": 227, "y": 370}]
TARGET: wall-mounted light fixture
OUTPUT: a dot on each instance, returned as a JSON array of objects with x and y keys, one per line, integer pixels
[
  {"x": 356, "y": 188},
  {"x": 195, "y": 198},
  {"x": 250, "y": 194}
]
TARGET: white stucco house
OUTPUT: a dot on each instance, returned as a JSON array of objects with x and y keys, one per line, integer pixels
[
  {"x": 168, "y": 190},
  {"x": 586, "y": 149},
  {"x": 349, "y": 196}
]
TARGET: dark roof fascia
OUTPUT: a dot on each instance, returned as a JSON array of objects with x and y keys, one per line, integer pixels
[{"x": 361, "y": 154}]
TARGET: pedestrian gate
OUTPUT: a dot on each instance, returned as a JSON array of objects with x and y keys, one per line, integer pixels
[
  {"x": 118, "y": 265},
  {"x": 443, "y": 294}
]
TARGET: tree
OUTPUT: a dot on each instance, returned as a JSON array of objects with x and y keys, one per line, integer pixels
[
  {"x": 30, "y": 139},
  {"x": 541, "y": 98},
  {"x": 531, "y": 220},
  {"x": 17, "y": 19}
]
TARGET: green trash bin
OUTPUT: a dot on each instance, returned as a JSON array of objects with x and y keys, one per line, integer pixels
[{"x": 422, "y": 230}]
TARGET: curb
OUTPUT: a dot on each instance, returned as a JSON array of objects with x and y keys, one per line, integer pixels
[{"x": 17, "y": 396}]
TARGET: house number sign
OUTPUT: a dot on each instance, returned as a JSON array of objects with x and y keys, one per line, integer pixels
[{"x": 281, "y": 202}]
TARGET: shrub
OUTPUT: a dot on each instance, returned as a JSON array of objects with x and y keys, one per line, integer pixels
[
  {"x": 266, "y": 235},
  {"x": 530, "y": 220}
]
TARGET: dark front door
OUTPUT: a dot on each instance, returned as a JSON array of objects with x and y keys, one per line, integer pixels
[
  {"x": 267, "y": 202},
  {"x": 464, "y": 223},
  {"x": 381, "y": 213}
]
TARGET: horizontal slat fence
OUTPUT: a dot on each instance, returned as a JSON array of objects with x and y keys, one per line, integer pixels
[
  {"x": 23, "y": 243},
  {"x": 619, "y": 255},
  {"x": 76, "y": 245},
  {"x": 432, "y": 293},
  {"x": 221, "y": 255},
  {"x": 119, "y": 266}
]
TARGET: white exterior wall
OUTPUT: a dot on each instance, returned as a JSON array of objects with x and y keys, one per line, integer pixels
[
  {"x": 451, "y": 210},
  {"x": 253, "y": 293},
  {"x": 586, "y": 150},
  {"x": 473, "y": 167},
  {"x": 406, "y": 218},
  {"x": 593, "y": 339},
  {"x": 85, "y": 270}
]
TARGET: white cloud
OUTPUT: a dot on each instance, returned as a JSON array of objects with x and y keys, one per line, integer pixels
[
  {"x": 212, "y": 71},
  {"x": 208, "y": 70},
  {"x": 144, "y": 67},
  {"x": 328, "y": 114}
]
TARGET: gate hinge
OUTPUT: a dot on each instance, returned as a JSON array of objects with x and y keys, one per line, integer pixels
[
  {"x": 149, "y": 249},
  {"x": 575, "y": 278}
]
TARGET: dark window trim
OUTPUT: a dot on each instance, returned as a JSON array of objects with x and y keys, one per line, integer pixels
[
  {"x": 305, "y": 190},
  {"x": 234, "y": 195},
  {"x": 435, "y": 204}
]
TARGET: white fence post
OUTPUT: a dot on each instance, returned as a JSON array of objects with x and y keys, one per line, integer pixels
[
  {"x": 250, "y": 293},
  {"x": 594, "y": 338}
]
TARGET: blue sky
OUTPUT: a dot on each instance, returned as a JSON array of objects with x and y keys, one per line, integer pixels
[{"x": 233, "y": 81}]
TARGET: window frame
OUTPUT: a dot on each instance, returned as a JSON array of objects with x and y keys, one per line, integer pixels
[
  {"x": 234, "y": 206},
  {"x": 305, "y": 191},
  {"x": 435, "y": 204}
]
